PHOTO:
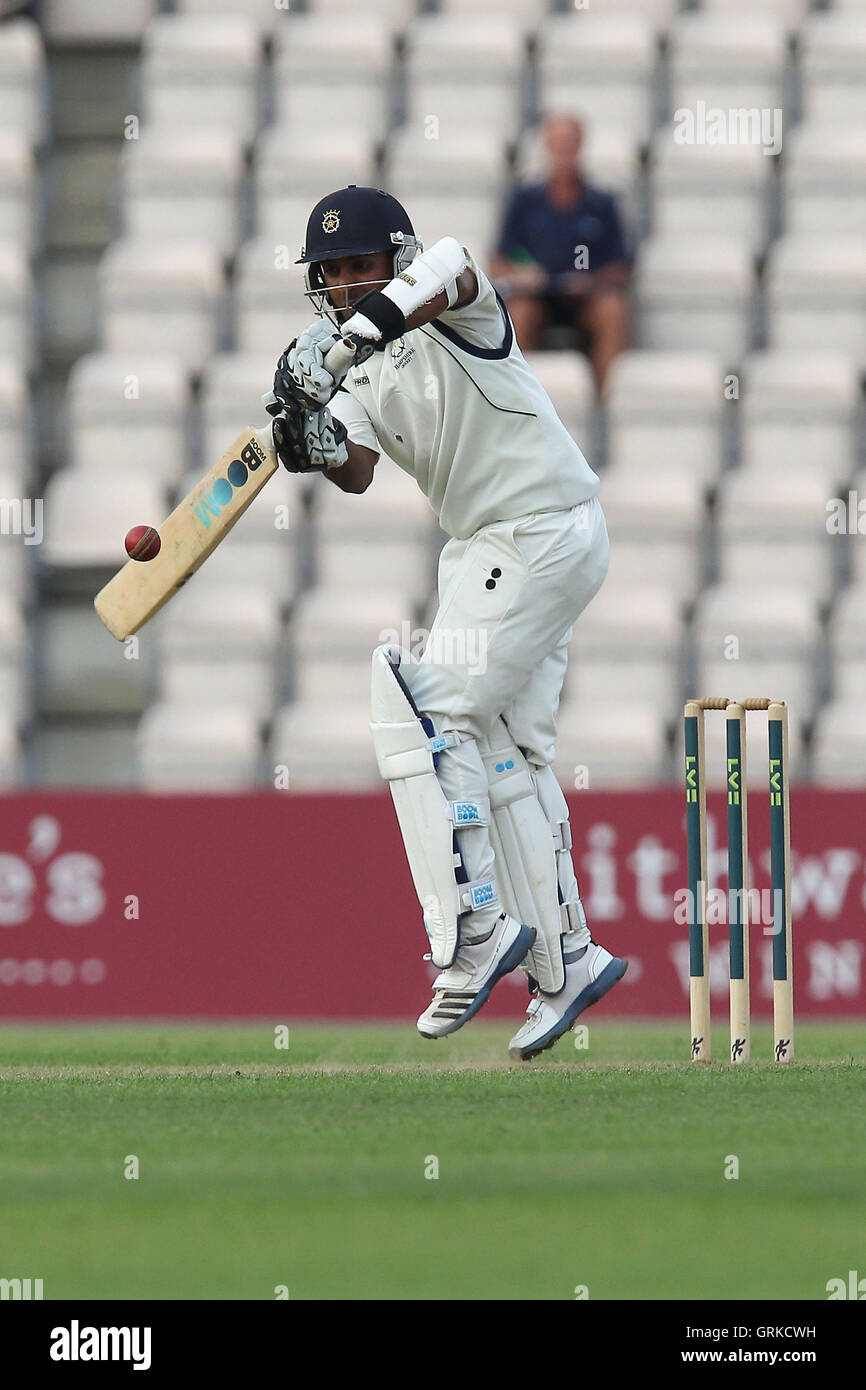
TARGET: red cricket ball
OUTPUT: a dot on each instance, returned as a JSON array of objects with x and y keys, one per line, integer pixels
[{"x": 142, "y": 543}]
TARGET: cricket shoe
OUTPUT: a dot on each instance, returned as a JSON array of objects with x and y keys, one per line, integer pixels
[
  {"x": 461, "y": 990},
  {"x": 587, "y": 980}
]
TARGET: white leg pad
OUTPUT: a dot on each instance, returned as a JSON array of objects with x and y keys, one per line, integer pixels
[
  {"x": 555, "y": 807},
  {"x": 525, "y": 853},
  {"x": 406, "y": 745}
]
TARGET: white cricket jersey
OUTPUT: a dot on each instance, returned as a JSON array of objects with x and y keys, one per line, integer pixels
[{"x": 455, "y": 404}]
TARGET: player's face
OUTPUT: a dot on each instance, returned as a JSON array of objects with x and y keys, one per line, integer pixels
[
  {"x": 562, "y": 138},
  {"x": 350, "y": 277}
]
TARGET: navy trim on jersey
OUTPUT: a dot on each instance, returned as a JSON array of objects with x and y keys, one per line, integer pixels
[
  {"x": 492, "y": 354},
  {"x": 462, "y": 365}
]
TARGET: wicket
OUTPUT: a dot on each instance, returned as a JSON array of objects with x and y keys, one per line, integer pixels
[{"x": 738, "y": 876}]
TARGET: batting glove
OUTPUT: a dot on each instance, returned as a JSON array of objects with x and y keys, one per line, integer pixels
[
  {"x": 301, "y": 373},
  {"x": 307, "y": 441}
]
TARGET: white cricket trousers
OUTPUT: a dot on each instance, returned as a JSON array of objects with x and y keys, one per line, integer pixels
[{"x": 508, "y": 597}]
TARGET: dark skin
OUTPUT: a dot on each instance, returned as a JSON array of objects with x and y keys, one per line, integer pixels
[{"x": 357, "y": 474}]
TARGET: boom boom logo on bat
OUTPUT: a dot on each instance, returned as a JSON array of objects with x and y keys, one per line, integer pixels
[{"x": 209, "y": 504}]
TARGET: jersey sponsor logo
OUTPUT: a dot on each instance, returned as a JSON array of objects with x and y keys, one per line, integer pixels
[
  {"x": 404, "y": 275},
  {"x": 361, "y": 380},
  {"x": 331, "y": 220},
  {"x": 401, "y": 356}
]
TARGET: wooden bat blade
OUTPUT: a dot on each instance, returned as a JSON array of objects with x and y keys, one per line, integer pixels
[{"x": 194, "y": 529}]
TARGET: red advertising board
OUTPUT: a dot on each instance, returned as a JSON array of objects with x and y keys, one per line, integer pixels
[{"x": 290, "y": 906}]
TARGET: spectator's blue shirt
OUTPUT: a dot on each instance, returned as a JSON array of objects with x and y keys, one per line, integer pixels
[{"x": 534, "y": 229}]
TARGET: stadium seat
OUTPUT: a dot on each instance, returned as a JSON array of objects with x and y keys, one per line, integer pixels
[
  {"x": 220, "y": 643},
  {"x": 393, "y": 502},
  {"x": 23, "y": 87},
  {"x": 855, "y": 510},
  {"x": 389, "y": 536},
  {"x": 839, "y": 745},
  {"x": 798, "y": 408},
  {"x": 658, "y": 13},
  {"x": 15, "y": 698},
  {"x": 386, "y": 562},
  {"x": 600, "y": 67},
  {"x": 695, "y": 294},
  {"x": 657, "y": 529},
  {"x": 19, "y": 548},
  {"x": 526, "y": 12},
  {"x": 18, "y": 187},
  {"x": 195, "y": 747},
  {"x": 627, "y": 644},
  {"x": 185, "y": 183},
  {"x": 707, "y": 190},
  {"x": 761, "y": 636},
  {"x": 465, "y": 74},
  {"x": 816, "y": 294},
  {"x": 824, "y": 182},
  {"x": 473, "y": 162},
  {"x": 847, "y": 644},
  {"x": 664, "y": 412},
  {"x": 264, "y": 15},
  {"x": 269, "y": 305},
  {"x": 17, "y": 305},
  {"x": 142, "y": 400},
  {"x": 83, "y": 670},
  {"x": 458, "y": 184},
  {"x": 387, "y": 544},
  {"x": 89, "y": 511},
  {"x": 788, "y": 12},
  {"x": 97, "y": 22},
  {"x": 231, "y": 399},
  {"x": 10, "y": 752},
  {"x": 567, "y": 379},
  {"x": 272, "y": 565},
  {"x": 202, "y": 71},
  {"x": 721, "y": 63},
  {"x": 772, "y": 528},
  {"x": 325, "y": 746},
  {"x": 291, "y": 176},
  {"x": 833, "y": 68},
  {"x": 75, "y": 753},
  {"x": 338, "y": 74},
  {"x": 344, "y": 625},
  {"x": 617, "y": 745},
  {"x": 473, "y": 220},
  {"x": 396, "y": 13},
  {"x": 159, "y": 294},
  {"x": 15, "y": 432}
]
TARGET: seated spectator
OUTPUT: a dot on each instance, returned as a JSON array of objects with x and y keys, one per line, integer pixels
[{"x": 561, "y": 257}]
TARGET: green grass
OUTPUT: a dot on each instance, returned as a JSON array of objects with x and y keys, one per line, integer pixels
[{"x": 602, "y": 1167}]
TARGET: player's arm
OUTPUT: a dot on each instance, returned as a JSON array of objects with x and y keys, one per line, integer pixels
[
  {"x": 438, "y": 279},
  {"x": 361, "y": 444},
  {"x": 356, "y": 474},
  {"x": 467, "y": 290}
]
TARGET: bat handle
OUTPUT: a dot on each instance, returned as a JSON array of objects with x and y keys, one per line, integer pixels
[{"x": 347, "y": 351}]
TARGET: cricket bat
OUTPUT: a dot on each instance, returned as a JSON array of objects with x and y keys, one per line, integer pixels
[{"x": 197, "y": 525}]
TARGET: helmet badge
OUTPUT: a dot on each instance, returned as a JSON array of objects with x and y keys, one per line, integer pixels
[{"x": 331, "y": 220}]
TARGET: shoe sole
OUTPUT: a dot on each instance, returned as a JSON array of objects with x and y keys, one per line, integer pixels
[
  {"x": 512, "y": 958},
  {"x": 610, "y": 975}
]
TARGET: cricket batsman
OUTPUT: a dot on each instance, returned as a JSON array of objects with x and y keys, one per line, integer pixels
[{"x": 465, "y": 735}]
